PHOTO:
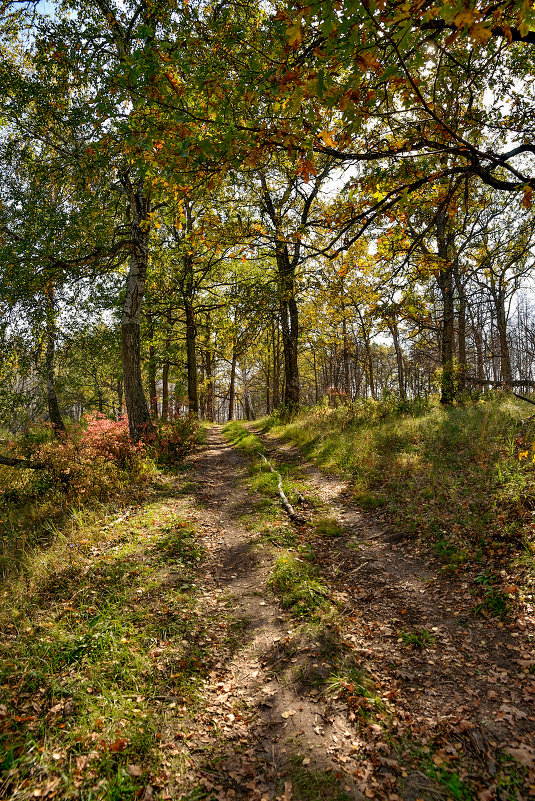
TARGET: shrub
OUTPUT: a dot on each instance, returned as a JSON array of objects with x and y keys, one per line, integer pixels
[
  {"x": 95, "y": 458},
  {"x": 176, "y": 439}
]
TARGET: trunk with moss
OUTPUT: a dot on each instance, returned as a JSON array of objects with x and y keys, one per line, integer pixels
[{"x": 136, "y": 404}]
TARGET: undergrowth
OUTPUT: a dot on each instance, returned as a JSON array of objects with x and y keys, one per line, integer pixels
[
  {"x": 102, "y": 646},
  {"x": 94, "y": 467},
  {"x": 296, "y": 582},
  {"x": 462, "y": 475},
  {"x": 261, "y": 478}
]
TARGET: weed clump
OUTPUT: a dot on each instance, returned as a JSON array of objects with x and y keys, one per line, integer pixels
[
  {"x": 296, "y": 582},
  {"x": 419, "y": 638},
  {"x": 328, "y": 527},
  {"x": 495, "y": 602}
]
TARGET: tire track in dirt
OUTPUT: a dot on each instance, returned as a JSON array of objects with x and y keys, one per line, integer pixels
[
  {"x": 257, "y": 721},
  {"x": 474, "y": 679}
]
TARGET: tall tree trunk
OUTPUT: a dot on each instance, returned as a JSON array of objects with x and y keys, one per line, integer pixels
[
  {"x": 358, "y": 369},
  {"x": 136, "y": 404},
  {"x": 498, "y": 297},
  {"x": 369, "y": 360},
  {"x": 201, "y": 379},
  {"x": 50, "y": 362},
  {"x": 209, "y": 365},
  {"x": 209, "y": 360},
  {"x": 153, "y": 392},
  {"x": 316, "y": 387},
  {"x": 461, "y": 331},
  {"x": 268, "y": 377},
  {"x": 191, "y": 339},
  {"x": 393, "y": 326},
  {"x": 290, "y": 328},
  {"x": 276, "y": 363},
  {"x": 188, "y": 293},
  {"x": 120, "y": 398},
  {"x": 165, "y": 390},
  {"x": 345, "y": 355},
  {"x": 232, "y": 385},
  {"x": 478, "y": 339},
  {"x": 445, "y": 283},
  {"x": 247, "y": 405}
]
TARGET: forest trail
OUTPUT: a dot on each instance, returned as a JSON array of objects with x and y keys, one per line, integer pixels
[
  {"x": 157, "y": 658},
  {"x": 260, "y": 730},
  {"x": 432, "y": 701}
]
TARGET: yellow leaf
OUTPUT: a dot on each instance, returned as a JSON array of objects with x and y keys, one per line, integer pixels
[
  {"x": 294, "y": 33},
  {"x": 327, "y": 139},
  {"x": 480, "y": 33},
  {"x": 466, "y": 17}
]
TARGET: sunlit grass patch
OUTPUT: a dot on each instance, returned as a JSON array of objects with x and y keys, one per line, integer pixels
[
  {"x": 280, "y": 535},
  {"x": 462, "y": 470},
  {"x": 262, "y": 478},
  {"x": 97, "y": 650},
  {"x": 295, "y": 580},
  {"x": 241, "y": 438},
  {"x": 328, "y": 527}
]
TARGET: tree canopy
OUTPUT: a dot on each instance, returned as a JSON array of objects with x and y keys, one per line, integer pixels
[{"x": 220, "y": 182}]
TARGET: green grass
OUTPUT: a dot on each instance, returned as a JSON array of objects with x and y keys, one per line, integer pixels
[
  {"x": 328, "y": 527},
  {"x": 102, "y": 625},
  {"x": 38, "y": 508},
  {"x": 264, "y": 481},
  {"x": 459, "y": 475},
  {"x": 241, "y": 438},
  {"x": 419, "y": 638},
  {"x": 494, "y": 601},
  {"x": 295, "y": 580}
]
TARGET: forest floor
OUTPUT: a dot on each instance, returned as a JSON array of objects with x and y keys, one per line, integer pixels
[{"x": 202, "y": 646}]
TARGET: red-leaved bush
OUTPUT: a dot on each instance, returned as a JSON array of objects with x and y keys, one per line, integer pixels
[
  {"x": 110, "y": 439},
  {"x": 95, "y": 458}
]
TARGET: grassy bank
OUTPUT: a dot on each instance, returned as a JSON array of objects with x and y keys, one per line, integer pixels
[
  {"x": 99, "y": 578},
  {"x": 101, "y": 657},
  {"x": 462, "y": 475},
  {"x": 92, "y": 471}
]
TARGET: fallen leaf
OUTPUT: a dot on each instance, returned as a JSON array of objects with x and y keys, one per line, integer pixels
[
  {"x": 119, "y": 745},
  {"x": 523, "y": 754}
]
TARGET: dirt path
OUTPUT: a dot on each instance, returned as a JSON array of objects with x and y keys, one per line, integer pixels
[
  {"x": 260, "y": 733},
  {"x": 470, "y": 695},
  {"x": 431, "y": 700}
]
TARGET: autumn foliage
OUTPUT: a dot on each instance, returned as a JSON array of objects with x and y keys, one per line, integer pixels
[{"x": 97, "y": 457}]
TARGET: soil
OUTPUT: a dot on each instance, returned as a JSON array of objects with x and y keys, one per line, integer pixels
[{"x": 456, "y": 689}]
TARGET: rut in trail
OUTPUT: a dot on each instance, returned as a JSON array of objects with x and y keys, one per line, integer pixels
[
  {"x": 270, "y": 726},
  {"x": 403, "y": 722}
]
